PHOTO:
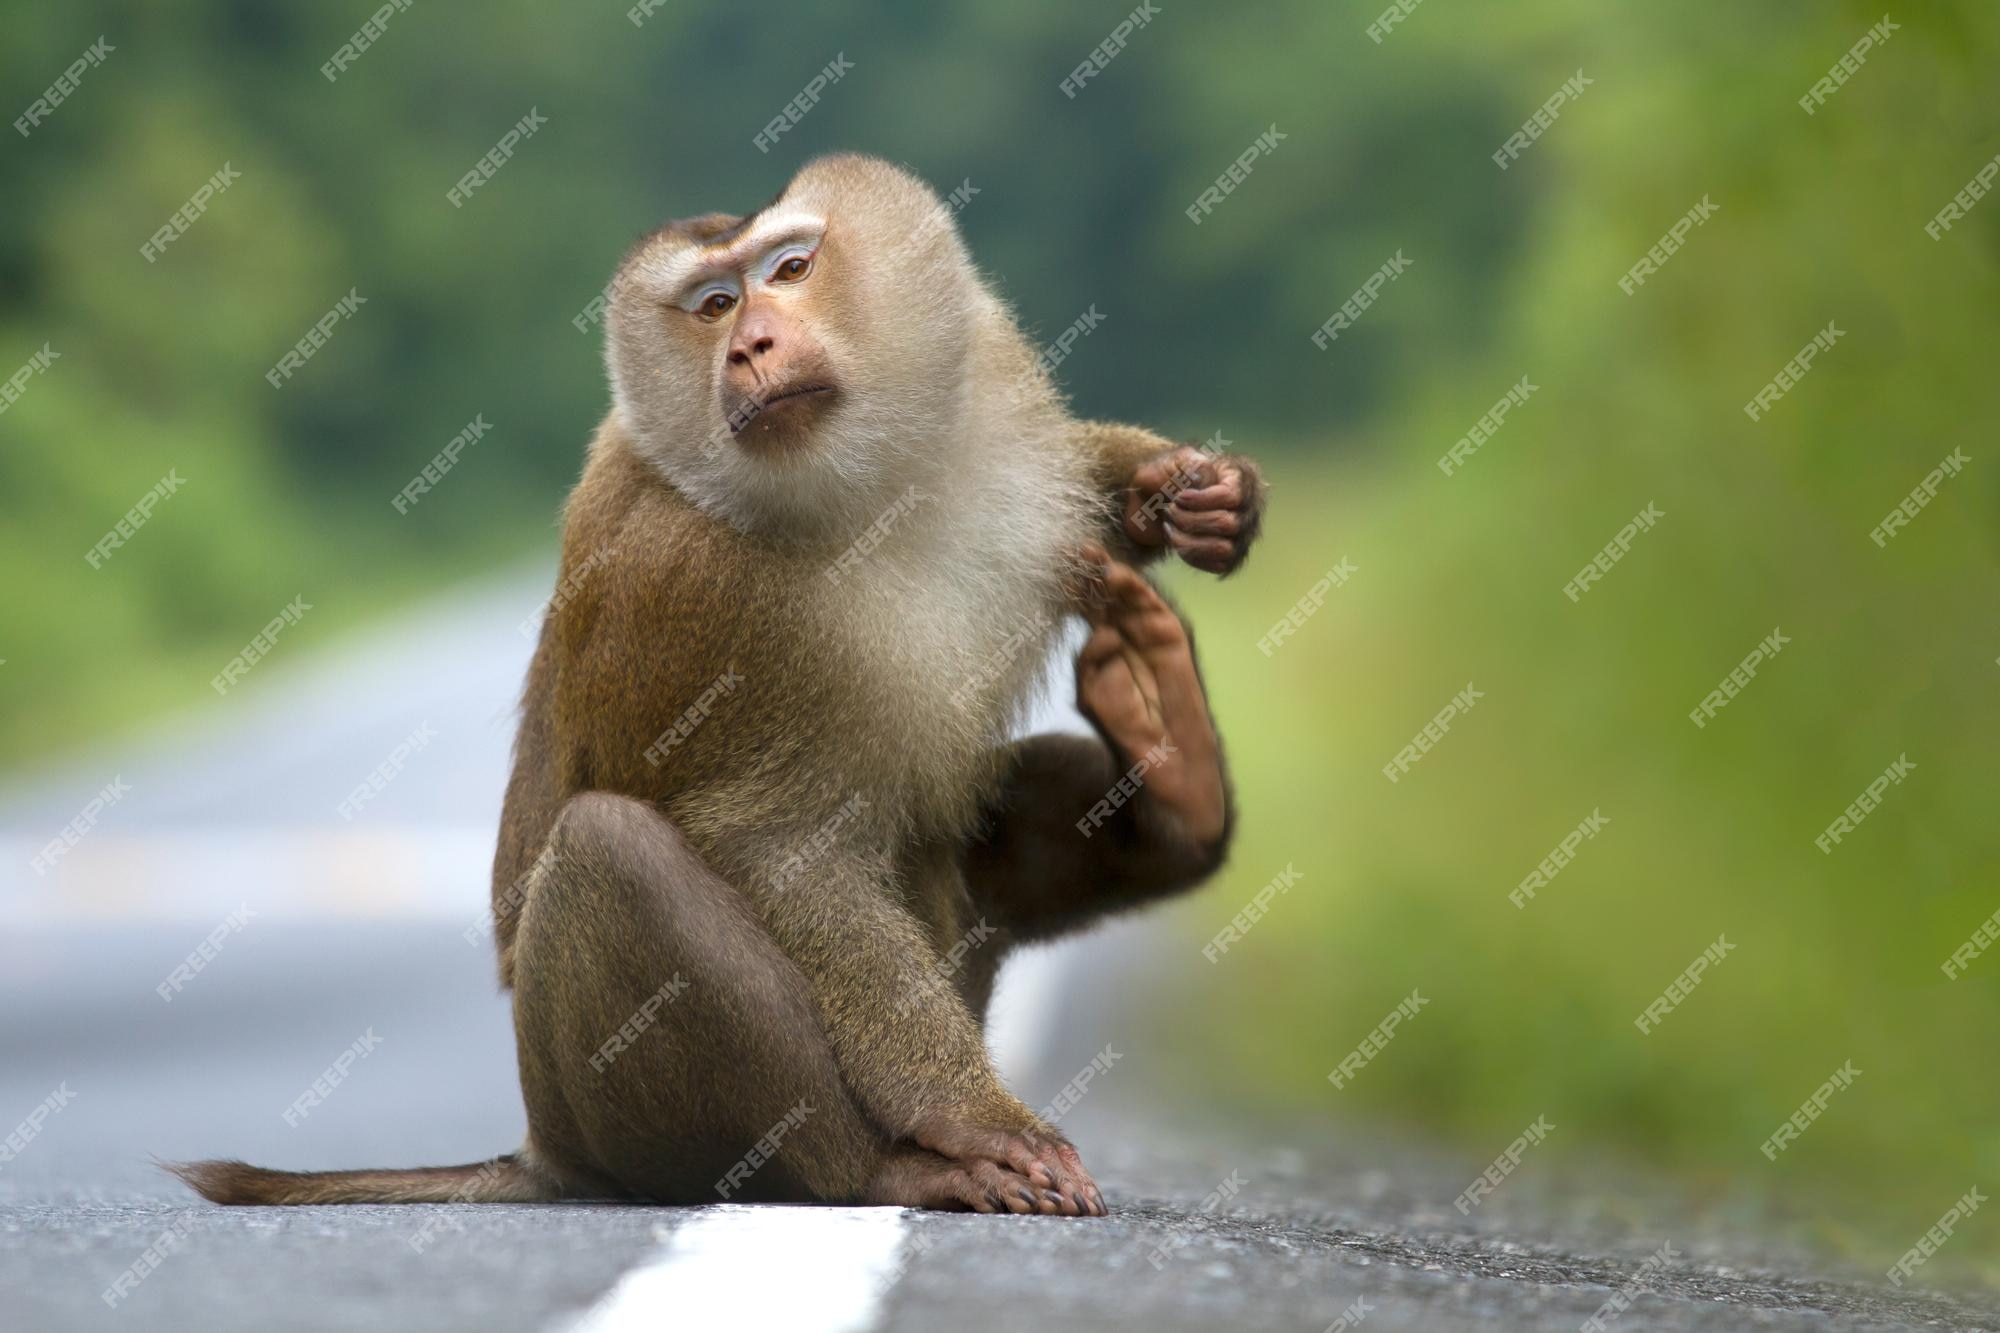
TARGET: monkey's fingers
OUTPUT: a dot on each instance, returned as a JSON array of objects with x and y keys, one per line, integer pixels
[
  {"x": 963, "y": 1142},
  {"x": 1205, "y": 522},
  {"x": 1163, "y": 475},
  {"x": 1049, "y": 1158},
  {"x": 919, "y": 1178},
  {"x": 1002, "y": 1190},
  {"x": 1225, "y": 494},
  {"x": 1055, "y": 1154},
  {"x": 1073, "y": 1171},
  {"x": 1212, "y": 525},
  {"x": 1211, "y": 555}
]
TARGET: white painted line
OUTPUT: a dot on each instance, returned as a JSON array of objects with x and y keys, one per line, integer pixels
[
  {"x": 757, "y": 1267},
  {"x": 406, "y": 872}
]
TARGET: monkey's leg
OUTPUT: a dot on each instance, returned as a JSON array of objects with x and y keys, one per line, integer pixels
[
  {"x": 1039, "y": 878},
  {"x": 662, "y": 1034},
  {"x": 670, "y": 1050},
  {"x": 1064, "y": 844}
]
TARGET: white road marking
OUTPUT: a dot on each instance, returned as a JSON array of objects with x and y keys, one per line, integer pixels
[{"x": 757, "y": 1267}]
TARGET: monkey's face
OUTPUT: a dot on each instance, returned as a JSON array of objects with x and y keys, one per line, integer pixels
[
  {"x": 788, "y": 369},
  {"x": 749, "y": 301}
]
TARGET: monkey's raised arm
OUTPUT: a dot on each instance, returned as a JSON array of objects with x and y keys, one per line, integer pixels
[{"x": 1208, "y": 507}]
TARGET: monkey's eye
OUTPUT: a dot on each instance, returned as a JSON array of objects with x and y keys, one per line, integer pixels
[
  {"x": 792, "y": 267},
  {"x": 715, "y": 304}
]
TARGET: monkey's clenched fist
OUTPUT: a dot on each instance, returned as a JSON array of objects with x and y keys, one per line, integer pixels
[
  {"x": 767, "y": 837},
  {"x": 1207, "y": 507}
]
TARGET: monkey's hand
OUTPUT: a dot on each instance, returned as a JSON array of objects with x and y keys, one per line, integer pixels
[
  {"x": 1037, "y": 1154},
  {"x": 1136, "y": 679},
  {"x": 1207, "y": 507}
]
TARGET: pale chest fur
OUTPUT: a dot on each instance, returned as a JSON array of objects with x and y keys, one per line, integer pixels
[{"x": 954, "y": 621}]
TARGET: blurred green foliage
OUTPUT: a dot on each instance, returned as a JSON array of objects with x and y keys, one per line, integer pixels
[{"x": 1820, "y": 218}]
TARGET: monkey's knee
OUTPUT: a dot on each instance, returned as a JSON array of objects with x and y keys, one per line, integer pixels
[
  {"x": 666, "y": 1041},
  {"x": 620, "y": 920},
  {"x": 611, "y": 853}
]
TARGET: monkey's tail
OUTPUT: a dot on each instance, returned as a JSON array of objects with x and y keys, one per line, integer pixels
[{"x": 507, "y": 1179}]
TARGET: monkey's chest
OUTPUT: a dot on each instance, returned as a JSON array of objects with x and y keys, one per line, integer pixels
[{"x": 949, "y": 681}]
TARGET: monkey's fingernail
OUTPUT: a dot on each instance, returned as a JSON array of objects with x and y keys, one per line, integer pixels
[{"x": 1054, "y": 1199}]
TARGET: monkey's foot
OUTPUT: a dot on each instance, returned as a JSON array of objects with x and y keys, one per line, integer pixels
[{"x": 919, "y": 1178}]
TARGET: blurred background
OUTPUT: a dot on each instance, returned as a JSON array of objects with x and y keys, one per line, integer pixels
[{"x": 1077, "y": 203}]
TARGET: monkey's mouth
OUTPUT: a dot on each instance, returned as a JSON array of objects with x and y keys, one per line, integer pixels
[
  {"x": 783, "y": 401},
  {"x": 798, "y": 391}
]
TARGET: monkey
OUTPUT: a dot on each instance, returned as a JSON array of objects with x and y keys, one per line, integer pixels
[{"x": 767, "y": 839}]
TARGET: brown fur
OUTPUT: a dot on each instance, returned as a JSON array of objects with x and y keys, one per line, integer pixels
[{"x": 502, "y": 1180}]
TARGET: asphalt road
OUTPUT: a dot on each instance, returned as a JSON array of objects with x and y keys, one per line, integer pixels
[
  {"x": 1232, "y": 1226},
  {"x": 365, "y": 929}
]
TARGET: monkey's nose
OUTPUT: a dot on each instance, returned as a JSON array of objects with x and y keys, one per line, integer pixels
[
  {"x": 755, "y": 337},
  {"x": 743, "y": 350}
]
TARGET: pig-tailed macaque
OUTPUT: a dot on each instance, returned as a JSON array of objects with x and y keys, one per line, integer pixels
[{"x": 764, "y": 790}]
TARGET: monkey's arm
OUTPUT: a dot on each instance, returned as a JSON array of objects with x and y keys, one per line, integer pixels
[
  {"x": 906, "y": 1046},
  {"x": 1064, "y": 844},
  {"x": 1207, "y": 506}
]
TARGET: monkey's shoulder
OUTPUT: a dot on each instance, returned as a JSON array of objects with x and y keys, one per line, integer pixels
[
  {"x": 683, "y": 651},
  {"x": 643, "y": 564}
]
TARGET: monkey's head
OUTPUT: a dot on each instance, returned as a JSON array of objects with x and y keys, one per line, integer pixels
[{"x": 793, "y": 370}]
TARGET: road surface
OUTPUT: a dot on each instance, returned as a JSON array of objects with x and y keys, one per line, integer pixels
[
  {"x": 330, "y": 930},
  {"x": 1314, "y": 1220}
]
